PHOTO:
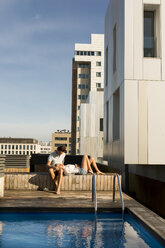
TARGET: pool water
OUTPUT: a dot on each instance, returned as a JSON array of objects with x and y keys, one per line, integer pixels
[{"x": 33, "y": 230}]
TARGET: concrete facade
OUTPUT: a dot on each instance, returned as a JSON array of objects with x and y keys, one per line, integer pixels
[
  {"x": 61, "y": 138},
  {"x": 91, "y": 125},
  {"x": 33, "y": 181},
  {"x": 87, "y": 76},
  {"x": 134, "y": 88}
]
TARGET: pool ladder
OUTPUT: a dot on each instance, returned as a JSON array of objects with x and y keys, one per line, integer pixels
[{"x": 94, "y": 194}]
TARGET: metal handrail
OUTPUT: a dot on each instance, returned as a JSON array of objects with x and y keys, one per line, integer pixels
[
  {"x": 120, "y": 190},
  {"x": 94, "y": 194}
]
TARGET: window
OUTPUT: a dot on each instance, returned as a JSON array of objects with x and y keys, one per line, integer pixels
[
  {"x": 5, "y": 146},
  {"x": 16, "y": 147},
  {"x": 78, "y": 129},
  {"x": 114, "y": 49},
  {"x": 98, "y": 63},
  {"x": 1, "y": 146},
  {"x": 78, "y": 151},
  {"x": 20, "y": 147},
  {"x": 82, "y": 97},
  {"x": 78, "y": 139},
  {"x": 24, "y": 147},
  {"x": 69, "y": 139},
  {"x": 78, "y": 118},
  {"x": 31, "y": 147},
  {"x": 107, "y": 122},
  {"x": 83, "y": 86},
  {"x": 98, "y": 74},
  {"x": 12, "y": 146},
  {"x": 56, "y": 145},
  {"x": 98, "y": 85},
  {"x": 98, "y": 53},
  {"x": 106, "y": 66},
  {"x": 83, "y": 66},
  {"x": 9, "y": 147},
  {"x": 78, "y": 107},
  {"x": 101, "y": 124},
  {"x": 83, "y": 75},
  {"x": 92, "y": 53},
  {"x": 9, "y": 152},
  {"x": 27, "y": 147},
  {"x": 60, "y": 138},
  {"x": 116, "y": 115},
  {"x": 149, "y": 33},
  {"x": 1, "y": 152}
]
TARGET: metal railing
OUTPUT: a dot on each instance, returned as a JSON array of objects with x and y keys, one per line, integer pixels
[
  {"x": 94, "y": 195},
  {"x": 120, "y": 190}
]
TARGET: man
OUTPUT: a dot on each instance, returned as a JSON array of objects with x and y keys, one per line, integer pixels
[{"x": 55, "y": 166}]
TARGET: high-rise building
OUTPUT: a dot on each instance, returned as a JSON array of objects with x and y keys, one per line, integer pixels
[
  {"x": 134, "y": 129},
  {"x": 61, "y": 138},
  {"x": 87, "y": 76}
]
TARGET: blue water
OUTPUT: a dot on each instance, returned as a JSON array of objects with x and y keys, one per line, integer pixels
[{"x": 33, "y": 230}]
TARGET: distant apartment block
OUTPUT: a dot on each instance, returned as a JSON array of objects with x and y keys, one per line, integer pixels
[
  {"x": 134, "y": 126},
  {"x": 19, "y": 146},
  {"x": 61, "y": 138},
  {"x": 23, "y": 146},
  {"x": 45, "y": 148},
  {"x": 87, "y": 76}
]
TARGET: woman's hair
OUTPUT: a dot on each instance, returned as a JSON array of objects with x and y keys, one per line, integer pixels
[{"x": 61, "y": 148}]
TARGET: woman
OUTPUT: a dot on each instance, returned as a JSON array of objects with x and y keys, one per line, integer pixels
[{"x": 84, "y": 169}]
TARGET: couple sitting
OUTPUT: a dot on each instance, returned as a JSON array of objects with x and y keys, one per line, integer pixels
[{"x": 56, "y": 167}]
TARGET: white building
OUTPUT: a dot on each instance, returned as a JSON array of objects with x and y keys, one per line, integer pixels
[
  {"x": 45, "y": 148},
  {"x": 91, "y": 125},
  {"x": 134, "y": 140},
  {"x": 22, "y": 146},
  {"x": 87, "y": 76}
]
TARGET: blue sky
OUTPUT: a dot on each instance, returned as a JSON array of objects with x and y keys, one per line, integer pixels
[{"x": 37, "y": 40}]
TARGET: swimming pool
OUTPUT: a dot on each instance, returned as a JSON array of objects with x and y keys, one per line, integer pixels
[{"x": 33, "y": 230}]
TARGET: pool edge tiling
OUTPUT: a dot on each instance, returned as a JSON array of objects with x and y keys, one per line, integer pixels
[{"x": 74, "y": 201}]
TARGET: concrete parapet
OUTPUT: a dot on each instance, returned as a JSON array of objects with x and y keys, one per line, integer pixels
[
  {"x": 40, "y": 181},
  {"x": 2, "y": 165}
]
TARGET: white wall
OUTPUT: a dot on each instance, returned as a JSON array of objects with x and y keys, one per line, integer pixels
[
  {"x": 91, "y": 139},
  {"x": 141, "y": 82}
]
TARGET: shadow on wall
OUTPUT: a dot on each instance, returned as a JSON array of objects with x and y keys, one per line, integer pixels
[{"x": 43, "y": 181}]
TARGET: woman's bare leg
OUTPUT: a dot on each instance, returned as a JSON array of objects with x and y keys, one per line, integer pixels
[
  {"x": 93, "y": 163},
  {"x": 85, "y": 164}
]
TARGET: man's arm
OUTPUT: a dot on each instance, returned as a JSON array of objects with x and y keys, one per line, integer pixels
[{"x": 48, "y": 164}]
